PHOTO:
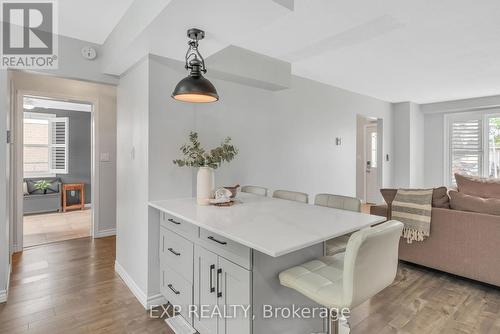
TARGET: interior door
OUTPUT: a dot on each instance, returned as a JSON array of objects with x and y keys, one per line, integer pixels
[
  {"x": 371, "y": 164},
  {"x": 234, "y": 291},
  {"x": 205, "y": 289}
]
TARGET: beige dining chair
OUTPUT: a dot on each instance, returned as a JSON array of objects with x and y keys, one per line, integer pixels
[
  {"x": 261, "y": 191},
  {"x": 291, "y": 196},
  {"x": 347, "y": 279},
  {"x": 338, "y": 244}
]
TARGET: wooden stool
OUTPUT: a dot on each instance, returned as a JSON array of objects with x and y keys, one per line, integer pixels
[{"x": 69, "y": 187}]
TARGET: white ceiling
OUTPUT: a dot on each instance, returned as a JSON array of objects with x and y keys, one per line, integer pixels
[
  {"x": 394, "y": 50},
  {"x": 90, "y": 20},
  {"x": 30, "y": 103}
]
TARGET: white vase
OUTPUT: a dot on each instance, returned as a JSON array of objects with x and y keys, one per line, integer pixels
[{"x": 205, "y": 185}]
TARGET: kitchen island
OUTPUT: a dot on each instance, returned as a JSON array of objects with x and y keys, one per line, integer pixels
[{"x": 226, "y": 260}]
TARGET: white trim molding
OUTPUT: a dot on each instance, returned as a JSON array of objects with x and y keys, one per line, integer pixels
[
  {"x": 146, "y": 302},
  {"x": 4, "y": 294},
  {"x": 105, "y": 233}
]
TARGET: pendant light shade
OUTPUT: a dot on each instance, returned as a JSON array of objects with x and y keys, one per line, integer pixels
[{"x": 195, "y": 88}]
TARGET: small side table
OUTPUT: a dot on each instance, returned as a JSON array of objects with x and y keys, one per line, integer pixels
[{"x": 69, "y": 187}]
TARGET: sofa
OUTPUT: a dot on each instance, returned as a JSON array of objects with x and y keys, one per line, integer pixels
[
  {"x": 36, "y": 201},
  {"x": 463, "y": 243}
]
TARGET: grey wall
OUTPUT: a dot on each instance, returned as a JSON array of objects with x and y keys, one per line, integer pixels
[{"x": 80, "y": 147}]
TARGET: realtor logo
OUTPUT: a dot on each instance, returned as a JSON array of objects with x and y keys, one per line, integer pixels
[{"x": 29, "y": 37}]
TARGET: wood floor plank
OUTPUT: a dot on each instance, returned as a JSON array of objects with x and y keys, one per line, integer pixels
[{"x": 71, "y": 287}]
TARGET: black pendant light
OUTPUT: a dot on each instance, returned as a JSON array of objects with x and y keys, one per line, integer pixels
[{"x": 195, "y": 88}]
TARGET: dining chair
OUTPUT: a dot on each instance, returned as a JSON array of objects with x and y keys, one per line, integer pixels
[
  {"x": 348, "y": 279},
  {"x": 291, "y": 196},
  {"x": 261, "y": 191},
  {"x": 338, "y": 244}
]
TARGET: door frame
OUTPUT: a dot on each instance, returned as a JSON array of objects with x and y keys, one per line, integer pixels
[
  {"x": 17, "y": 163},
  {"x": 379, "y": 124}
]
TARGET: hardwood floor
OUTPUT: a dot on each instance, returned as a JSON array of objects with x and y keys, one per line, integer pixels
[
  {"x": 50, "y": 227},
  {"x": 71, "y": 287}
]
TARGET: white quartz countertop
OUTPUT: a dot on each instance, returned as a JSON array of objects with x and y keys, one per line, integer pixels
[{"x": 272, "y": 226}]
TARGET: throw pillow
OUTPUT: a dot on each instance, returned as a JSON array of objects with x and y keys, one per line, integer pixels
[
  {"x": 464, "y": 202},
  {"x": 476, "y": 186}
]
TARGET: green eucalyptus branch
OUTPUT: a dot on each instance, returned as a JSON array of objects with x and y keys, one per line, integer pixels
[{"x": 196, "y": 156}]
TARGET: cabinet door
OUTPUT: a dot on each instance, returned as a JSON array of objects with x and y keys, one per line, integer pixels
[
  {"x": 234, "y": 293},
  {"x": 205, "y": 286}
]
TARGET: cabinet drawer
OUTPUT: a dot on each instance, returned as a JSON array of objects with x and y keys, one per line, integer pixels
[
  {"x": 229, "y": 249},
  {"x": 177, "y": 290},
  {"x": 178, "y": 253},
  {"x": 178, "y": 225}
]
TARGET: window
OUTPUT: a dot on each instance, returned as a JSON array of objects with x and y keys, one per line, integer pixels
[
  {"x": 45, "y": 145},
  {"x": 472, "y": 145}
]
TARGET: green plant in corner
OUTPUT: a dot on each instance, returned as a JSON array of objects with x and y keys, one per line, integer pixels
[
  {"x": 42, "y": 185},
  {"x": 196, "y": 156}
]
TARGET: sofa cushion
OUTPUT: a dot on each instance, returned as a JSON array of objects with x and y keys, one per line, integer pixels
[
  {"x": 440, "y": 197},
  {"x": 476, "y": 186},
  {"x": 464, "y": 202}
]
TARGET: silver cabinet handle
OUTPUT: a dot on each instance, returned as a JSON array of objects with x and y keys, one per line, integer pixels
[
  {"x": 212, "y": 287},
  {"x": 173, "y": 221},
  {"x": 219, "y": 277},
  {"x": 171, "y": 250},
  {"x": 171, "y": 287},
  {"x": 217, "y": 241}
]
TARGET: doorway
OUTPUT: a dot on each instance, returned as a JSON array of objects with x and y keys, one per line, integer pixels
[
  {"x": 369, "y": 164},
  {"x": 56, "y": 169}
]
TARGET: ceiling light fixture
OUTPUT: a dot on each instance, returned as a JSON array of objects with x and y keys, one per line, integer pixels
[{"x": 195, "y": 88}]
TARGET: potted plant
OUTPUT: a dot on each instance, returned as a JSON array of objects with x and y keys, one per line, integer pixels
[
  {"x": 206, "y": 161},
  {"x": 42, "y": 185}
]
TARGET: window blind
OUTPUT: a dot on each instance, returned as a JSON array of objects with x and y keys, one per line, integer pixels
[{"x": 466, "y": 147}]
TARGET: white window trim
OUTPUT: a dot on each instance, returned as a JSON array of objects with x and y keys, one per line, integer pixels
[
  {"x": 49, "y": 117},
  {"x": 484, "y": 115}
]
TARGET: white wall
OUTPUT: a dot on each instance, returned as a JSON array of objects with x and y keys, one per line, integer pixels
[
  {"x": 434, "y": 150},
  {"x": 151, "y": 128},
  {"x": 287, "y": 138},
  {"x": 132, "y": 176},
  {"x": 4, "y": 181},
  {"x": 408, "y": 145}
]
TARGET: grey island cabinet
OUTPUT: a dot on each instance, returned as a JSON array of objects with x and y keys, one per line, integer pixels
[{"x": 220, "y": 265}]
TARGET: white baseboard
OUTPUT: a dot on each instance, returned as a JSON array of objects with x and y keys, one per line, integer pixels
[
  {"x": 3, "y": 296},
  {"x": 16, "y": 248},
  {"x": 105, "y": 233},
  {"x": 147, "y": 302},
  {"x": 5, "y": 293}
]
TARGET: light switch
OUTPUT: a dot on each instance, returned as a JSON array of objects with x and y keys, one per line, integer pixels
[{"x": 105, "y": 157}]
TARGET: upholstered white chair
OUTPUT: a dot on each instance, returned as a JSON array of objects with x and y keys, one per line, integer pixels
[
  {"x": 338, "y": 244},
  {"x": 261, "y": 191},
  {"x": 346, "y": 280},
  {"x": 291, "y": 196}
]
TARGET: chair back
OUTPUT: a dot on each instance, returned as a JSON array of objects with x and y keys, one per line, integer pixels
[
  {"x": 371, "y": 261},
  {"x": 261, "y": 191},
  {"x": 338, "y": 202},
  {"x": 291, "y": 196}
]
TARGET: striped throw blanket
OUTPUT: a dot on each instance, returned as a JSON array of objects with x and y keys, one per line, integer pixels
[{"x": 413, "y": 208}]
